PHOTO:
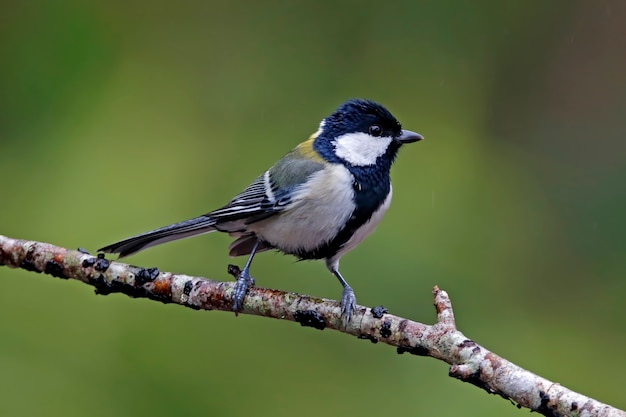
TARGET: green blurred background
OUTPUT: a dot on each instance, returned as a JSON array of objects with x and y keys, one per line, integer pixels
[{"x": 118, "y": 117}]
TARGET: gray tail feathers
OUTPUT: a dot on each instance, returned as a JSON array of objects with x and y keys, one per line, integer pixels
[{"x": 175, "y": 231}]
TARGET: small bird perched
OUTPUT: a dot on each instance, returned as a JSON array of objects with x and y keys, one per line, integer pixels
[{"x": 318, "y": 202}]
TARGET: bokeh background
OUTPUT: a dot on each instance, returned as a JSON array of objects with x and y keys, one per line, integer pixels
[{"x": 117, "y": 117}]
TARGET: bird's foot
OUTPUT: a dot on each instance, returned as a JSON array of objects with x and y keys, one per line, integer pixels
[
  {"x": 348, "y": 304},
  {"x": 244, "y": 280}
]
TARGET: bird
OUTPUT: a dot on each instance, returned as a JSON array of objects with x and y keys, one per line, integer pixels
[{"x": 317, "y": 202}]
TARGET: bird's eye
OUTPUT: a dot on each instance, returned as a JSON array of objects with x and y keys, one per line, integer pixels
[{"x": 376, "y": 130}]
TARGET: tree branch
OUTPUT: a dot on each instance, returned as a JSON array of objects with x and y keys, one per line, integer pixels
[{"x": 469, "y": 361}]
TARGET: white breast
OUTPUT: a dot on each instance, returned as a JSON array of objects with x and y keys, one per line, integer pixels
[{"x": 316, "y": 213}]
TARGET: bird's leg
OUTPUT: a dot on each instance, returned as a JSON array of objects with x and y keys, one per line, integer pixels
[
  {"x": 348, "y": 299},
  {"x": 244, "y": 280}
]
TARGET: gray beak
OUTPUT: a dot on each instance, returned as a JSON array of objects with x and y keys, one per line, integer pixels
[{"x": 408, "y": 137}]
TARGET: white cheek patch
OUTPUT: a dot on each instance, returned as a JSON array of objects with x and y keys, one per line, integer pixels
[{"x": 361, "y": 149}]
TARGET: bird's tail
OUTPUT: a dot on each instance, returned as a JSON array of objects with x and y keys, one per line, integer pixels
[{"x": 187, "y": 228}]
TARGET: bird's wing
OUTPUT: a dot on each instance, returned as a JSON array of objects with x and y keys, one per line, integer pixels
[
  {"x": 268, "y": 195},
  {"x": 255, "y": 203},
  {"x": 256, "y": 200}
]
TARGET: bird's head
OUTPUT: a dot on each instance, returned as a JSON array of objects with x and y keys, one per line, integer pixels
[{"x": 361, "y": 133}]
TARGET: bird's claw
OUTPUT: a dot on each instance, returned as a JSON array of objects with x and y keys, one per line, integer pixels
[
  {"x": 244, "y": 281},
  {"x": 348, "y": 304}
]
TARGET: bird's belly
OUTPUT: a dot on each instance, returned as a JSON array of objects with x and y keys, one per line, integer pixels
[{"x": 317, "y": 213}]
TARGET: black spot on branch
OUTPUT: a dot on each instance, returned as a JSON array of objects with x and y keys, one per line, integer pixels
[
  {"x": 473, "y": 378},
  {"x": 467, "y": 344},
  {"x": 544, "y": 408},
  {"x": 29, "y": 265},
  {"x": 385, "y": 329},
  {"x": 470, "y": 344},
  {"x": 101, "y": 264},
  {"x": 368, "y": 337},
  {"x": 413, "y": 350},
  {"x": 541, "y": 393},
  {"x": 233, "y": 270},
  {"x": 145, "y": 275},
  {"x": 164, "y": 298},
  {"x": 188, "y": 287},
  {"x": 55, "y": 269},
  {"x": 89, "y": 262},
  {"x": 378, "y": 311},
  {"x": 310, "y": 318},
  {"x": 102, "y": 287}
]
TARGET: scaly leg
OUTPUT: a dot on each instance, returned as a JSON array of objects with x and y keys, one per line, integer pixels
[
  {"x": 348, "y": 299},
  {"x": 244, "y": 280}
]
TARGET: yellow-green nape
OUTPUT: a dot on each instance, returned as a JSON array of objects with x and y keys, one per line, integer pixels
[{"x": 306, "y": 149}]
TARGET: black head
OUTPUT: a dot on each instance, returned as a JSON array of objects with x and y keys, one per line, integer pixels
[
  {"x": 361, "y": 133},
  {"x": 359, "y": 115}
]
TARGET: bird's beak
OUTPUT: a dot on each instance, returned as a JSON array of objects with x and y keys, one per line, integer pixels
[{"x": 408, "y": 137}]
